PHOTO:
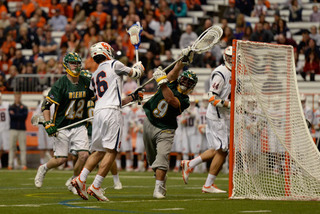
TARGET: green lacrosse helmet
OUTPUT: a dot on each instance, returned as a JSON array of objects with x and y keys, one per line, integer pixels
[
  {"x": 72, "y": 63},
  {"x": 187, "y": 81}
]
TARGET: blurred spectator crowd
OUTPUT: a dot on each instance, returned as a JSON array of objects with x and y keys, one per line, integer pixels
[{"x": 32, "y": 25}]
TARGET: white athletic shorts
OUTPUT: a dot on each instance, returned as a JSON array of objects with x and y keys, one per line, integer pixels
[
  {"x": 191, "y": 142},
  {"x": 4, "y": 140},
  {"x": 106, "y": 130},
  {"x": 139, "y": 143},
  {"x": 177, "y": 141},
  {"x": 44, "y": 141},
  {"x": 217, "y": 134},
  {"x": 74, "y": 139}
]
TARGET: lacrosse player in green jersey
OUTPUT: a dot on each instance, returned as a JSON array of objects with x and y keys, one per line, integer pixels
[
  {"x": 70, "y": 95},
  {"x": 162, "y": 110}
]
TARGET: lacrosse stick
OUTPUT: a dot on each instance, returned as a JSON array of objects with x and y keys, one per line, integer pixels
[
  {"x": 203, "y": 43},
  {"x": 134, "y": 32},
  {"x": 90, "y": 118},
  {"x": 37, "y": 119}
]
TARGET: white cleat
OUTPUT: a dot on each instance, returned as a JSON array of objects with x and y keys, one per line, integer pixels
[
  {"x": 38, "y": 180},
  {"x": 97, "y": 193},
  {"x": 212, "y": 189},
  {"x": 186, "y": 170},
  {"x": 80, "y": 188},
  {"x": 117, "y": 185},
  {"x": 159, "y": 191}
]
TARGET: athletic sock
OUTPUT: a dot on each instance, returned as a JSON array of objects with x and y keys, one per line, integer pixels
[
  {"x": 116, "y": 178},
  {"x": 194, "y": 162},
  {"x": 178, "y": 163},
  {"x": 210, "y": 180},
  {"x": 84, "y": 174},
  {"x": 98, "y": 181}
]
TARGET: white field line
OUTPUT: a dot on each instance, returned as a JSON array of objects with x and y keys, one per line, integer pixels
[
  {"x": 255, "y": 211},
  {"x": 116, "y": 202}
]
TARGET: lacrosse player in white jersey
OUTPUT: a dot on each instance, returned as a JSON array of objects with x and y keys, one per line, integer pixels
[
  {"x": 218, "y": 125},
  {"x": 177, "y": 144},
  {"x": 126, "y": 143},
  {"x": 4, "y": 127},
  {"x": 139, "y": 117},
  {"x": 45, "y": 144},
  {"x": 107, "y": 83},
  {"x": 202, "y": 124}
]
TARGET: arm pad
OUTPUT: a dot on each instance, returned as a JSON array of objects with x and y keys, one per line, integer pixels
[
  {"x": 216, "y": 101},
  {"x": 45, "y": 105}
]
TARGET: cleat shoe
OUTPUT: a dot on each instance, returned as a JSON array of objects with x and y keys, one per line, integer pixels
[
  {"x": 9, "y": 167},
  {"x": 24, "y": 168},
  {"x": 117, "y": 185},
  {"x": 176, "y": 169},
  {"x": 159, "y": 191},
  {"x": 38, "y": 180},
  {"x": 186, "y": 170},
  {"x": 212, "y": 189},
  {"x": 80, "y": 188},
  {"x": 97, "y": 193}
]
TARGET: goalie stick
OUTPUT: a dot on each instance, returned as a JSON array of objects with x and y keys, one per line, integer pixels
[{"x": 203, "y": 43}]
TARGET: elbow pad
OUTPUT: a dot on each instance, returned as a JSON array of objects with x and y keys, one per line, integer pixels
[{"x": 45, "y": 105}]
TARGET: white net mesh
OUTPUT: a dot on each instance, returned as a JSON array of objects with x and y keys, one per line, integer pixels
[{"x": 275, "y": 157}]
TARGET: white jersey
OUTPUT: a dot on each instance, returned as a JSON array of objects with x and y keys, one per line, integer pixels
[
  {"x": 140, "y": 116},
  {"x": 107, "y": 84},
  {"x": 127, "y": 117},
  {"x": 221, "y": 86},
  {"x": 4, "y": 116}
]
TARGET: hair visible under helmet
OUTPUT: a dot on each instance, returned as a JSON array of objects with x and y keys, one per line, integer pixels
[
  {"x": 227, "y": 57},
  {"x": 187, "y": 81},
  {"x": 101, "y": 51},
  {"x": 74, "y": 59}
]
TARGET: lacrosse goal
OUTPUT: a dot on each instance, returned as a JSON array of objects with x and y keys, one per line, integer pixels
[{"x": 272, "y": 154}]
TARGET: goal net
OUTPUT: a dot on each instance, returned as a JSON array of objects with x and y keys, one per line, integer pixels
[{"x": 272, "y": 154}]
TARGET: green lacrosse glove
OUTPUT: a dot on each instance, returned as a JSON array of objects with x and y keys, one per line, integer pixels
[{"x": 51, "y": 129}]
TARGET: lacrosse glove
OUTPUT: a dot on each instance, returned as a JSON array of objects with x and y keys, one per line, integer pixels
[
  {"x": 218, "y": 102},
  {"x": 137, "y": 95},
  {"x": 160, "y": 76},
  {"x": 51, "y": 129},
  {"x": 187, "y": 54}
]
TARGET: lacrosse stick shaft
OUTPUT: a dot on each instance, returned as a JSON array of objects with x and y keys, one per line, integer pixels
[
  {"x": 91, "y": 118},
  {"x": 74, "y": 124}
]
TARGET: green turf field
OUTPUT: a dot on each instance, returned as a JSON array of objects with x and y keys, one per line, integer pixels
[{"x": 18, "y": 195}]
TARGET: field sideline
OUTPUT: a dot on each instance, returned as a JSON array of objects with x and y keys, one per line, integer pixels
[{"x": 18, "y": 195}]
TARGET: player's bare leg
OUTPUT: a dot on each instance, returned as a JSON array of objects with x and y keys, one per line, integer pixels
[
  {"x": 104, "y": 167},
  {"x": 79, "y": 183},
  {"x": 42, "y": 170},
  {"x": 82, "y": 157},
  {"x": 214, "y": 170}
]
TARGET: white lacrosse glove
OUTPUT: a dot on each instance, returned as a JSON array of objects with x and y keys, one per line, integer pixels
[
  {"x": 160, "y": 76},
  {"x": 137, "y": 70},
  {"x": 187, "y": 54},
  {"x": 218, "y": 102}
]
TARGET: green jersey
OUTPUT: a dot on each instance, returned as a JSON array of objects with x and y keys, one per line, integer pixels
[
  {"x": 70, "y": 99},
  {"x": 160, "y": 113}
]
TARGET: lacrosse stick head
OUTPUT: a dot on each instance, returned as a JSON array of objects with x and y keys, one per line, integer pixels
[
  {"x": 134, "y": 32},
  {"x": 207, "y": 39},
  {"x": 37, "y": 119}
]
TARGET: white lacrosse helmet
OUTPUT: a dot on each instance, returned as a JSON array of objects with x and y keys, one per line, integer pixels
[
  {"x": 302, "y": 98},
  {"x": 227, "y": 57},
  {"x": 102, "y": 48}
]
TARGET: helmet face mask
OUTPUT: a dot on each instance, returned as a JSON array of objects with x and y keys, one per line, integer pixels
[
  {"x": 227, "y": 57},
  {"x": 102, "y": 48},
  {"x": 72, "y": 63},
  {"x": 187, "y": 81}
]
